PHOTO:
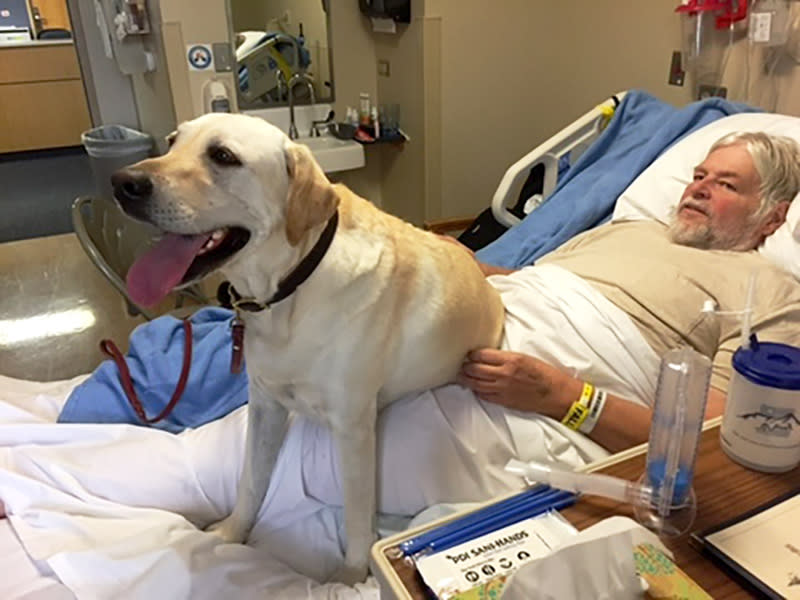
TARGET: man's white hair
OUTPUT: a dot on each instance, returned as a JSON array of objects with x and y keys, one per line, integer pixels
[{"x": 776, "y": 159}]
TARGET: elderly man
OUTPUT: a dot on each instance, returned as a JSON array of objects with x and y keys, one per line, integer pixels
[{"x": 660, "y": 278}]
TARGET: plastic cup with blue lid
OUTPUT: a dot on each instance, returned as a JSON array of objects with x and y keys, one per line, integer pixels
[{"x": 761, "y": 424}]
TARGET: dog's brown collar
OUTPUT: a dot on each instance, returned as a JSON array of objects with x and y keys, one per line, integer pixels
[{"x": 230, "y": 298}]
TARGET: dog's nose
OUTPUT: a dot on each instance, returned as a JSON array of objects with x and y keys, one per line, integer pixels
[{"x": 131, "y": 187}]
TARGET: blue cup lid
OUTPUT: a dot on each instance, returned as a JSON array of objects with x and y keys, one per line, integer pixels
[{"x": 769, "y": 364}]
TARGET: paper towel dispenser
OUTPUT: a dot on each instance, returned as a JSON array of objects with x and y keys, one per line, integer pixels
[{"x": 397, "y": 10}]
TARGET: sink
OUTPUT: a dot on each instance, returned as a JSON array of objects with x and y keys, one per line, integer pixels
[
  {"x": 334, "y": 154},
  {"x": 331, "y": 153}
]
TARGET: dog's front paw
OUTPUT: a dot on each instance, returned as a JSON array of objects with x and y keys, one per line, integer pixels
[
  {"x": 350, "y": 574},
  {"x": 229, "y": 529}
]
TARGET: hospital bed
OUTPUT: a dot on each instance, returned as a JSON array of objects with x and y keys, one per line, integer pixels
[
  {"x": 614, "y": 158},
  {"x": 553, "y": 157},
  {"x": 528, "y": 182}
]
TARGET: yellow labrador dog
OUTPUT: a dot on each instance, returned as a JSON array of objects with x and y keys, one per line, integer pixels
[{"x": 345, "y": 308}]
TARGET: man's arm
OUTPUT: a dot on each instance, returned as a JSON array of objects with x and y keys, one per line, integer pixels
[
  {"x": 527, "y": 384},
  {"x": 624, "y": 423}
]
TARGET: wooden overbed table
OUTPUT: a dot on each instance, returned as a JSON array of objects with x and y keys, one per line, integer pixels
[{"x": 724, "y": 490}]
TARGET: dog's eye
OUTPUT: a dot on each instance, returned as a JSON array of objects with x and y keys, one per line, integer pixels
[
  {"x": 223, "y": 156},
  {"x": 171, "y": 138}
]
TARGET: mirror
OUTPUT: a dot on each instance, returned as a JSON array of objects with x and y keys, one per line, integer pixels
[{"x": 275, "y": 40}]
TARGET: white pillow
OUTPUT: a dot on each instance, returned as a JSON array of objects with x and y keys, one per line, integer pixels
[{"x": 655, "y": 193}]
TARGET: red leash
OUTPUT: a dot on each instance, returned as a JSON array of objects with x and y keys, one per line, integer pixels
[
  {"x": 110, "y": 349},
  {"x": 237, "y": 354}
]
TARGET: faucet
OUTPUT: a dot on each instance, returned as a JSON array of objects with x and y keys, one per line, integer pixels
[
  {"x": 322, "y": 124},
  {"x": 297, "y": 78}
]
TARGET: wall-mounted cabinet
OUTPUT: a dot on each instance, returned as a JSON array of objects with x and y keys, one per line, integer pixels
[{"x": 42, "y": 100}]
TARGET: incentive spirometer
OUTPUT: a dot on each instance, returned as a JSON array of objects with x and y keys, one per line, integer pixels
[{"x": 678, "y": 413}]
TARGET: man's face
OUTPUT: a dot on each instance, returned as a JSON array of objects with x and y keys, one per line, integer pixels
[{"x": 718, "y": 209}]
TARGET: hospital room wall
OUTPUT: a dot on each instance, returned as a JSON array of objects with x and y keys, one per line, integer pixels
[
  {"x": 411, "y": 173},
  {"x": 516, "y": 76},
  {"x": 480, "y": 84},
  {"x": 354, "y": 71},
  {"x": 395, "y": 176},
  {"x": 404, "y": 179}
]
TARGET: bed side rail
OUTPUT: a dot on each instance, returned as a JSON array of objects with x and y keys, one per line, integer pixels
[{"x": 573, "y": 139}]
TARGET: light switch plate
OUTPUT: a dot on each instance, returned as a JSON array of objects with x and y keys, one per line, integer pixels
[
  {"x": 676, "y": 72},
  {"x": 384, "y": 68}
]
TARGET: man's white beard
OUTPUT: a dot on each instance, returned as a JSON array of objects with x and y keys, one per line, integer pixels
[
  {"x": 704, "y": 237},
  {"x": 697, "y": 236}
]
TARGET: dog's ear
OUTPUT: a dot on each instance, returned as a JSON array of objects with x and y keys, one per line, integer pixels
[{"x": 312, "y": 199}]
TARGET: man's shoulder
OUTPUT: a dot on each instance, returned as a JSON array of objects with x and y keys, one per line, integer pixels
[
  {"x": 634, "y": 231},
  {"x": 643, "y": 224},
  {"x": 611, "y": 235}
]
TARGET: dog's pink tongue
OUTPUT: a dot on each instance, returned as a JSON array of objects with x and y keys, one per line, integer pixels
[{"x": 161, "y": 268}]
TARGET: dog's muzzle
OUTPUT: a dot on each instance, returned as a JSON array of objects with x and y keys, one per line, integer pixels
[{"x": 132, "y": 189}]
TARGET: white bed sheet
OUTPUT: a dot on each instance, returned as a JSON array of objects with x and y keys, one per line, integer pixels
[
  {"x": 117, "y": 511},
  {"x": 114, "y": 510},
  {"x": 24, "y": 578}
]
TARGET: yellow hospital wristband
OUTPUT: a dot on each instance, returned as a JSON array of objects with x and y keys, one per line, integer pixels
[{"x": 580, "y": 409}]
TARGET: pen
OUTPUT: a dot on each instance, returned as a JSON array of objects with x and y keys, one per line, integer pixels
[
  {"x": 419, "y": 542},
  {"x": 556, "y": 500},
  {"x": 527, "y": 504}
]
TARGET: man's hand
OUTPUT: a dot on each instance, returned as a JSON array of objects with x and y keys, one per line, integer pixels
[{"x": 518, "y": 381}]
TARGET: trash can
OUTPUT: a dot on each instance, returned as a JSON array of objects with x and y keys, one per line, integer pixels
[{"x": 111, "y": 147}]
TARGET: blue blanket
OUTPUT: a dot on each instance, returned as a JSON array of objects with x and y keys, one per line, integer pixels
[
  {"x": 154, "y": 358},
  {"x": 641, "y": 129}
]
